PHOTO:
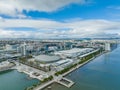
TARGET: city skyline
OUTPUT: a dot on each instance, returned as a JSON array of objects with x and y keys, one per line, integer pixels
[{"x": 59, "y": 19}]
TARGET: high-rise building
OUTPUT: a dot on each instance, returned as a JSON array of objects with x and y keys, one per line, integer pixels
[
  {"x": 8, "y": 47},
  {"x": 23, "y": 49},
  {"x": 107, "y": 47}
]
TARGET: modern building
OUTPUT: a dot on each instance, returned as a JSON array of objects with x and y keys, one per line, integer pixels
[
  {"x": 8, "y": 47},
  {"x": 107, "y": 47},
  {"x": 63, "y": 63},
  {"x": 52, "y": 48},
  {"x": 73, "y": 52},
  {"x": 23, "y": 49},
  {"x": 45, "y": 59}
]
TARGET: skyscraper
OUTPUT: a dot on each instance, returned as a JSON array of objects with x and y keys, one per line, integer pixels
[
  {"x": 23, "y": 49},
  {"x": 107, "y": 47}
]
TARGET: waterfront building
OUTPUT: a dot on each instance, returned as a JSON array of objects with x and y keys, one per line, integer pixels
[
  {"x": 59, "y": 65},
  {"x": 107, "y": 47},
  {"x": 8, "y": 47},
  {"x": 47, "y": 59},
  {"x": 23, "y": 49},
  {"x": 53, "y": 62},
  {"x": 74, "y": 52},
  {"x": 52, "y": 48}
]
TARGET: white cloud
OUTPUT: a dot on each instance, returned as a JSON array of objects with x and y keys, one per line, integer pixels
[
  {"x": 54, "y": 29},
  {"x": 114, "y": 7},
  {"x": 15, "y": 8}
]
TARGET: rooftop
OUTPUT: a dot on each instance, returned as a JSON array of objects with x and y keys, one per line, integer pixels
[
  {"x": 47, "y": 58},
  {"x": 75, "y": 50}
]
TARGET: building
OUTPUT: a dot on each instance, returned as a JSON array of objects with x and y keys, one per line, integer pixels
[
  {"x": 107, "y": 47},
  {"x": 74, "y": 52},
  {"x": 8, "y": 47},
  {"x": 54, "y": 63},
  {"x": 46, "y": 59},
  {"x": 62, "y": 64},
  {"x": 23, "y": 49},
  {"x": 52, "y": 48}
]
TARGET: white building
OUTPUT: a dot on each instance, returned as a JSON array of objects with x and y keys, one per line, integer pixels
[
  {"x": 46, "y": 59},
  {"x": 64, "y": 63},
  {"x": 73, "y": 52},
  {"x": 52, "y": 48},
  {"x": 60, "y": 65},
  {"x": 8, "y": 47},
  {"x": 23, "y": 49},
  {"x": 107, "y": 47}
]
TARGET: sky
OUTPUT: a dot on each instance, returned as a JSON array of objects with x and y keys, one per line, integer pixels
[{"x": 49, "y": 19}]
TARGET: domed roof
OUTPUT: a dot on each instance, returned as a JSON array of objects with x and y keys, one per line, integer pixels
[{"x": 47, "y": 58}]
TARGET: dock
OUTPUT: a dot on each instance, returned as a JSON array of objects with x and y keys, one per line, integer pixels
[
  {"x": 66, "y": 82},
  {"x": 42, "y": 86},
  {"x": 63, "y": 81}
]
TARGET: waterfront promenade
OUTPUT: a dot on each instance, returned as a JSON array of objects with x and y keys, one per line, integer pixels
[
  {"x": 98, "y": 74},
  {"x": 6, "y": 66},
  {"x": 44, "y": 85},
  {"x": 66, "y": 82},
  {"x": 30, "y": 71},
  {"x": 58, "y": 78}
]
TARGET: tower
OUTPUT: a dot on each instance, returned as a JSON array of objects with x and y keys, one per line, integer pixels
[
  {"x": 23, "y": 49},
  {"x": 107, "y": 47}
]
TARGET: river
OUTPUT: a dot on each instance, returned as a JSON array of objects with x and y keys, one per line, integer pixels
[
  {"x": 14, "y": 80},
  {"x": 103, "y": 73}
]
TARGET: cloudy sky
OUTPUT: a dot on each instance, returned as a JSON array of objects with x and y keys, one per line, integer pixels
[{"x": 59, "y": 18}]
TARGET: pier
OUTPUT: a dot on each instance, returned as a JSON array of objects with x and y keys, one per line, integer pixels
[
  {"x": 66, "y": 82},
  {"x": 42, "y": 86},
  {"x": 63, "y": 81}
]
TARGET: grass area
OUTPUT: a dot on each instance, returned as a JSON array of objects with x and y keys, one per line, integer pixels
[{"x": 65, "y": 70}]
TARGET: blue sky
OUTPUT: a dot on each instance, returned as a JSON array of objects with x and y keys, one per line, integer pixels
[
  {"x": 59, "y": 18},
  {"x": 93, "y": 9}
]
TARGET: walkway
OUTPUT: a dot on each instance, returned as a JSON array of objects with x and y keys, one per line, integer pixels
[
  {"x": 42, "y": 86},
  {"x": 66, "y": 82}
]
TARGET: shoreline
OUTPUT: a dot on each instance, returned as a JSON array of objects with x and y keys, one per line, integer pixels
[
  {"x": 17, "y": 80},
  {"x": 81, "y": 65},
  {"x": 44, "y": 85}
]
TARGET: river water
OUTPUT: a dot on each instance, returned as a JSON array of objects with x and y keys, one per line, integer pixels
[
  {"x": 103, "y": 73},
  {"x": 13, "y": 80}
]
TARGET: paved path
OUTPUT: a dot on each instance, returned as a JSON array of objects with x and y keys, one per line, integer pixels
[{"x": 42, "y": 86}]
